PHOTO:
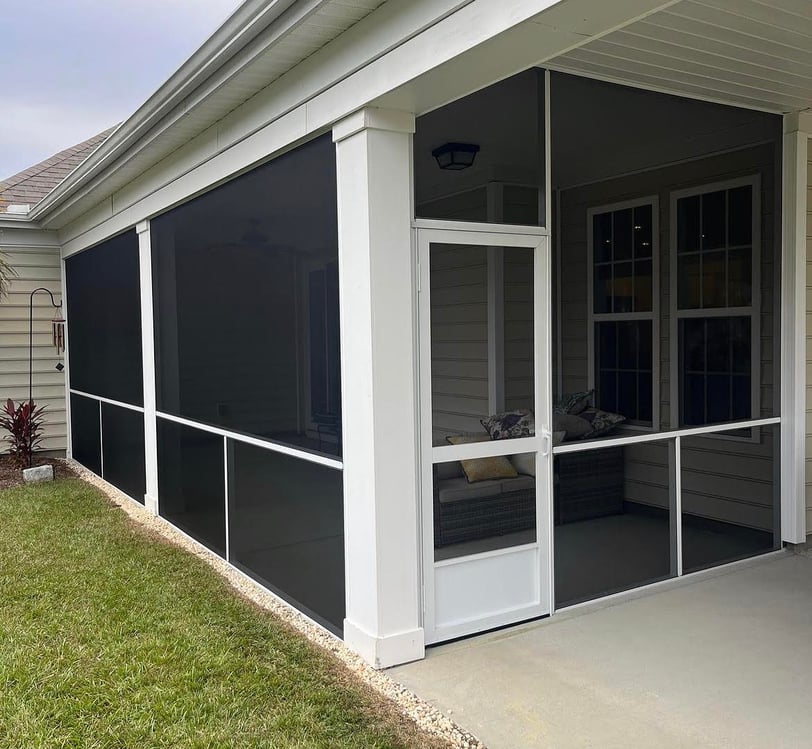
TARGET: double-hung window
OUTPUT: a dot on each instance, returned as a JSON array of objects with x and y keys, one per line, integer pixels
[
  {"x": 715, "y": 301},
  {"x": 623, "y": 269}
]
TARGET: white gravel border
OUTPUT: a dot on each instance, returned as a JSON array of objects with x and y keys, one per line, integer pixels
[{"x": 422, "y": 713}]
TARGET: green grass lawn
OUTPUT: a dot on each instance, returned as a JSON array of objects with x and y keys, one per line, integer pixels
[{"x": 110, "y": 638}]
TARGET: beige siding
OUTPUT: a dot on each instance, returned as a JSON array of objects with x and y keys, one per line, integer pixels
[
  {"x": 459, "y": 338},
  {"x": 646, "y": 477},
  {"x": 34, "y": 256},
  {"x": 809, "y": 344},
  {"x": 518, "y": 326}
]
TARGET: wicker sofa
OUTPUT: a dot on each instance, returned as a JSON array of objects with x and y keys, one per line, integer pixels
[{"x": 587, "y": 485}]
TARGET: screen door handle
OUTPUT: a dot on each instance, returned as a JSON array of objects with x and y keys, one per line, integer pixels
[{"x": 546, "y": 442}]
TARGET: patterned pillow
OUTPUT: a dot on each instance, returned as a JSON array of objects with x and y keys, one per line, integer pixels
[
  {"x": 483, "y": 469},
  {"x": 574, "y": 403},
  {"x": 510, "y": 425},
  {"x": 602, "y": 422}
]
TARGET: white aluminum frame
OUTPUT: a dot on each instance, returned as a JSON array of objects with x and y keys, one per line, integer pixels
[
  {"x": 653, "y": 315},
  {"x": 110, "y": 401},
  {"x": 488, "y": 235},
  {"x": 255, "y": 441},
  {"x": 99, "y": 400},
  {"x": 728, "y": 426},
  {"x": 753, "y": 310},
  {"x": 674, "y": 437}
]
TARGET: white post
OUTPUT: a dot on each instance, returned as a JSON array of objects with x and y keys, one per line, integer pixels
[
  {"x": 379, "y": 383},
  {"x": 793, "y": 332},
  {"x": 148, "y": 360}
]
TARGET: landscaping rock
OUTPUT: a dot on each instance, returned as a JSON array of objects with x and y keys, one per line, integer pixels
[
  {"x": 425, "y": 715},
  {"x": 37, "y": 474}
]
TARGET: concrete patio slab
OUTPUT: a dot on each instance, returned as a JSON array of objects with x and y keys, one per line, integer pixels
[{"x": 720, "y": 660}]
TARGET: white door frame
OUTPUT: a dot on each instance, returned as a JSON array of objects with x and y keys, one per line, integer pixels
[{"x": 539, "y": 555}]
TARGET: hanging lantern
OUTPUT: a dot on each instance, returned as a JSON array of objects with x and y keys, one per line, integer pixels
[{"x": 58, "y": 331}]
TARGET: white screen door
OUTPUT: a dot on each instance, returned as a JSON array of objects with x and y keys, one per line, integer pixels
[{"x": 486, "y": 481}]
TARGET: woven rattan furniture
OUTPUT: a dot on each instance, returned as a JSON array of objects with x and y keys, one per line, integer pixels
[{"x": 587, "y": 485}]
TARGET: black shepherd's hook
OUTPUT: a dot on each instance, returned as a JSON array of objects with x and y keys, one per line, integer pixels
[{"x": 31, "y": 357}]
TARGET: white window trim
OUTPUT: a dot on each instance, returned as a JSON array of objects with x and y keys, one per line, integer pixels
[
  {"x": 653, "y": 315},
  {"x": 753, "y": 310}
]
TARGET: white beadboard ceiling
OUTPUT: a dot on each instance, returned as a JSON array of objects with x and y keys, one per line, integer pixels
[{"x": 750, "y": 53}]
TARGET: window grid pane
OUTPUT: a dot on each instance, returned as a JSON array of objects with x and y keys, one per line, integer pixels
[
  {"x": 622, "y": 269},
  {"x": 623, "y": 273},
  {"x": 623, "y": 367},
  {"x": 714, "y": 270},
  {"x": 716, "y": 370}
]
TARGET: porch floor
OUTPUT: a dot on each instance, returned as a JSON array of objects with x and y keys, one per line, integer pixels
[{"x": 723, "y": 659}]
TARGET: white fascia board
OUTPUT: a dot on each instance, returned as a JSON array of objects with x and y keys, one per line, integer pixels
[
  {"x": 21, "y": 223},
  {"x": 233, "y": 46},
  {"x": 474, "y": 33},
  {"x": 388, "y": 27}
]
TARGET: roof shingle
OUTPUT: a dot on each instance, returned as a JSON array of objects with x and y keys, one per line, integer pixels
[{"x": 31, "y": 185}]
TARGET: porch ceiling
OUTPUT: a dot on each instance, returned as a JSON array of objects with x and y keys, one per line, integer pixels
[{"x": 742, "y": 52}]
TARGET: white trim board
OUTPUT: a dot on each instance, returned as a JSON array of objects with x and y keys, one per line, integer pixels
[{"x": 271, "y": 121}]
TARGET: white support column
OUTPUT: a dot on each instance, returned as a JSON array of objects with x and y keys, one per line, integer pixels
[
  {"x": 148, "y": 360},
  {"x": 379, "y": 383},
  {"x": 793, "y": 332}
]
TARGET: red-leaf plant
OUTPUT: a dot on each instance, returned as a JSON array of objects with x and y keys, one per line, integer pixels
[{"x": 24, "y": 423}]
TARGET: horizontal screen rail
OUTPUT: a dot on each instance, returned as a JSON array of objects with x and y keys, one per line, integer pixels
[
  {"x": 101, "y": 399},
  {"x": 485, "y": 449},
  {"x": 575, "y": 447},
  {"x": 481, "y": 228},
  {"x": 256, "y": 441}
]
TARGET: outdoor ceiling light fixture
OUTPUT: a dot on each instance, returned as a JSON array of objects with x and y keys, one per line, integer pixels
[{"x": 455, "y": 156}]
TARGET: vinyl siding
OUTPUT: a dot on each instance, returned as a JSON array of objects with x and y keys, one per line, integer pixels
[
  {"x": 459, "y": 338},
  {"x": 646, "y": 477},
  {"x": 34, "y": 256},
  {"x": 518, "y": 327}
]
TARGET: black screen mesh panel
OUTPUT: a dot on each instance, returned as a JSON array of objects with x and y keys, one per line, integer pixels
[
  {"x": 191, "y": 482},
  {"x": 124, "y": 462},
  {"x": 85, "y": 434},
  {"x": 286, "y": 526},
  {"x": 246, "y": 303},
  {"x": 104, "y": 320}
]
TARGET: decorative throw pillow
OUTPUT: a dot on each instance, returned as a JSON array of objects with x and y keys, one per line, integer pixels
[
  {"x": 510, "y": 425},
  {"x": 483, "y": 469},
  {"x": 576, "y": 427},
  {"x": 601, "y": 422},
  {"x": 574, "y": 403},
  {"x": 524, "y": 463}
]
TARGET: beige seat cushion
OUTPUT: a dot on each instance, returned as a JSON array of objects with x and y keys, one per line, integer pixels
[{"x": 483, "y": 469}]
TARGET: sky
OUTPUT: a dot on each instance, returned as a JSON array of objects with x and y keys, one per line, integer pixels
[{"x": 72, "y": 68}]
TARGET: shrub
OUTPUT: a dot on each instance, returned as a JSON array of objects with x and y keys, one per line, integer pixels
[
  {"x": 7, "y": 272},
  {"x": 24, "y": 423}
]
